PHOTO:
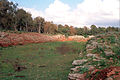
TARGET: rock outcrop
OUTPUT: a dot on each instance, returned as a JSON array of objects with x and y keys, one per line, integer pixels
[
  {"x": 79, "y": 62},
  {"x": 100, "y": 60}
]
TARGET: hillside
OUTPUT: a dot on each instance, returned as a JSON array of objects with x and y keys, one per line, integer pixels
[{"x": 100, "y": 60}]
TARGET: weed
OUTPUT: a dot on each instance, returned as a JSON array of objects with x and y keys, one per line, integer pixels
[
  {"x": 111, "y": 39},
  {"x": 1, "y": 48},
  {"x": 83, "y": 70},
  {"x": 97, "y": 49},
  {"x": 116, "y": 49}
]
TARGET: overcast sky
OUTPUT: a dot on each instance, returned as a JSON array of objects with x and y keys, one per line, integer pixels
[{"x": 78, "y": 13}]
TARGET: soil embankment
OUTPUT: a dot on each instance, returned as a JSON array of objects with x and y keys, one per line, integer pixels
[{"x": 10, "y": 39}]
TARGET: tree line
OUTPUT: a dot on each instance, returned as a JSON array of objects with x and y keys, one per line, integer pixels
[{"x": 13, "y": 18}]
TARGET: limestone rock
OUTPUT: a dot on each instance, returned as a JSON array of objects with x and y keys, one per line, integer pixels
[
  {"x": 109, "y": 53},
  {"x": 76, "y": 76},
  {"x": 91, "y": 55},
  {"x": 75, "y": 69},
  {"x": 96, "y": 59},
  {"x": 89, "y": 50},
  {"x": 94, "y": 43},
  {"x": 109, "y": 78},
  {"x": 89, "y": 46},
  {"x": 90, "y": 67},
  {"x": 91, "y": 36},
  {"x": 78, "y": 62}
]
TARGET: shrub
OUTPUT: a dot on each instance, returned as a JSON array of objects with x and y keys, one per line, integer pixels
[
  {"x": 96, "y": 50},
  {"x": 116, "y": 49},
  {"x": 83, "y": 70},
  {"x": 111, "y": 39}
]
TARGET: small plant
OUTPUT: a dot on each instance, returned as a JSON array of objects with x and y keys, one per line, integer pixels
[
  {"x": 99, "y": 64},
  {"x": 85, "y": 35},
  {"x": 111, "y": 39},
  {"x": 83, "y": 70},
  {"x": 96, "y": 50},
  {"x": 116, "y": 49},
  {"x": 102, "y": 63},
  {"x": 101, "y": 40},
  {"x": 1, "y": 48}
]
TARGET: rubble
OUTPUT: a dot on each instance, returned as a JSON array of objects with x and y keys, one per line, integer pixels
[
  {"x": 79, "y": 62},
  {"x": 100, "y": 58}
]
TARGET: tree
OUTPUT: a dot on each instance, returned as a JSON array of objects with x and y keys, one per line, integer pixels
[
  {"x": 72, "y": 30},
  {"x": 23, "y": 19},
  {"x": 50, "y": 28},
  {"x": 79, "y": 31},
  {"x": 39, "y": 23},
  {"x": 7, "y": 14},
  {"x": 29, "y": 21},
  {"x": 64, "y": 30},
  {"x": 20, "y": 17},
  {"x": 86, "y": 31},
  {"x": 112, "y": 29},
  {"x": 93, "y": 29},
  {"x": 101, "y": 29}
]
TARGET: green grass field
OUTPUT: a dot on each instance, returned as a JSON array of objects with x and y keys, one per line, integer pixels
[{"x": 43, "y": 61}]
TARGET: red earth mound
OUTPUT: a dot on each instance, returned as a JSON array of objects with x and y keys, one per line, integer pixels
[{"x": 10, "y": 39}]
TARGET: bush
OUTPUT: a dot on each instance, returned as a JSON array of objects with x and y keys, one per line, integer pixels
[
  {"x": 1, "y": 48},
  {"x": 116, "y": 49},
  {"x": 96, "y": 50},
  {"x": 111, "y": 39}
]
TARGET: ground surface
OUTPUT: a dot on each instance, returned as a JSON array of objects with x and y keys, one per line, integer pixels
[{"x": 43, "y": 61}]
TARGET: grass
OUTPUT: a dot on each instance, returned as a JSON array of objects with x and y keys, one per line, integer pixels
[{"x": 44, "y": 61}]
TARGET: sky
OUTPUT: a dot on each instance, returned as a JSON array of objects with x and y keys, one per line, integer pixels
[{"x": 77, "y": 13}]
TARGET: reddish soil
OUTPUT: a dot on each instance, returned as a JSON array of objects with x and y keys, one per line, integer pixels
[
  {"x": 113, "y": 72},
  {"x": 11, "y": 39}
]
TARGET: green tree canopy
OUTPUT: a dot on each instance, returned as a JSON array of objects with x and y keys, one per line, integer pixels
[
  {"x": 7, "y": 14},
  {"x": 39, "y": 23}
]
